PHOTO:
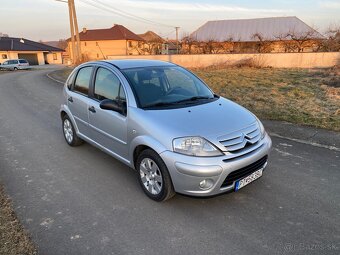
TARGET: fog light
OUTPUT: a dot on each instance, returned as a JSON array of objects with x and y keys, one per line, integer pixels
[{"x": 206, "y": 184}]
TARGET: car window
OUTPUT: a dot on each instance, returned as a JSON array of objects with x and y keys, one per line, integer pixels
[
  {"x": 164, "y": 86},
  {"x": 178, "y": 79},
  {"x": 5, "y": 63},
  {"x": 22, "y": 61},
  {"x": 82, "y": 82},
  {"x": 106, "y": 85}
]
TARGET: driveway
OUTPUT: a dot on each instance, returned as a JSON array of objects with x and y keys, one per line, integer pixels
[{"x": 82, "y": 201}]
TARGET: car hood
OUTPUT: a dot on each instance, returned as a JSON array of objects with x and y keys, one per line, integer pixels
[{"x": 208, "y": 120}]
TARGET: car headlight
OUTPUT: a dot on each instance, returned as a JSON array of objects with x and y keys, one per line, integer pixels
[
  {"x": 195, "y": 146},
  {"x": 262, "y": 130}
]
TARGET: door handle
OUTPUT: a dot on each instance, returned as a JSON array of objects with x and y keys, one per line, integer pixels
[
  {"x": 92, "y": 109},
  {"x": 70, "y": 99}
]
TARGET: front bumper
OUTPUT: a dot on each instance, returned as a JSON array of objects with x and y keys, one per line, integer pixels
[{"x": 187, "y": 172}]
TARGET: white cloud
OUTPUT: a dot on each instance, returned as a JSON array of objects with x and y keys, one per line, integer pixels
[{"x": 330, "y": 4}]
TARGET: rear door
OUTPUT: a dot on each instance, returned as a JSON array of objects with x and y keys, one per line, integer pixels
[
  {"x": 78, "y": 99},
  {"x": 109, "y": 128}
]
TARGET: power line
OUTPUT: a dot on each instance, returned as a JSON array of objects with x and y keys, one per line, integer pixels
[{"x": 119, "y": 12}]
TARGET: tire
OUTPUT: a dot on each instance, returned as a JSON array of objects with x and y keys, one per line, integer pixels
[
  {"x": 69, "y": 132},
  {"x": 15, "y": 69},
  {"x": 155, "y": 180}
]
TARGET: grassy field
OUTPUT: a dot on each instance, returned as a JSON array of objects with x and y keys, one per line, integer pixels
[
  {"x": 302, "y": 96},
  {"x": 14, "y": 240}
]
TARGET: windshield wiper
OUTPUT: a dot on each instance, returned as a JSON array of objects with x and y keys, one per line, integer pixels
[
  {"x": 159, "y": 104},
  {"x": 192, "y": 99}
]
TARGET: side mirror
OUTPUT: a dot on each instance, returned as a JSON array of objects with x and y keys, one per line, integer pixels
[{"x": 113, "y": 105}]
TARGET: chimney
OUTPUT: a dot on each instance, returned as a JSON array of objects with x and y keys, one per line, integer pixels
[{"x": 84, "y": 30}]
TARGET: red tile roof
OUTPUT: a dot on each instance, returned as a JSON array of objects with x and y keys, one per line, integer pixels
[{"x": 117, "y": 32}]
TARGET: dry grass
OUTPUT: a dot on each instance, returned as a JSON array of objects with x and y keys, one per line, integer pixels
[
  {"x": 301, "y": 96},
  {"x": 14, "y": 240}
]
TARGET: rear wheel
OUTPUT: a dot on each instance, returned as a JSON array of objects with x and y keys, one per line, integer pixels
[
  {"x": 15, "y": 69},
  {"x": 69, "y": 133},
  {"x": 154, "y": 177}
]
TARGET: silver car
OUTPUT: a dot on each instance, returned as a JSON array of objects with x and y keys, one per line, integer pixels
[
  {"x": 15, "y": 64},
  {"x": 163, "y": 121}
]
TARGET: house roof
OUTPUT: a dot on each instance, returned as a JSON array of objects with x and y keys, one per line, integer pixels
[
  {"x": 14, "y": 44},
  {"x": 150, "y": 36},
  {"x": 244, "y": 29},
  {"x": 117, "y": 32}
]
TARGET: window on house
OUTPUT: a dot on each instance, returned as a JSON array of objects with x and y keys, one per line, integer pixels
[
  {"x": 4, "y": 56},
  {"x": 97, "y": 55},
  {"x": 85, "y": 43},
  {"x": 97, "y": 44},
  {"x": 55, "y": 56},
  {"x": 130, "y": 44}
]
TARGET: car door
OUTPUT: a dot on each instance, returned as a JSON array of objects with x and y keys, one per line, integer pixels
[
  {"x": 109, "y": 128},
  {"x": 78, "y": 99}
]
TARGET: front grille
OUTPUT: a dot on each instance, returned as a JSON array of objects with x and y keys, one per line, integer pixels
[
  {"x": 243, "y": 172},
  {"x": 243, "y": 138}
]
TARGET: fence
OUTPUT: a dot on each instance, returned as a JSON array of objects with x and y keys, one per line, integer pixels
[{"x": 278, "y": 60}]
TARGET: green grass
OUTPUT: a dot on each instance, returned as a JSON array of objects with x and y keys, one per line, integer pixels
[{"x": 301, "y": 96}]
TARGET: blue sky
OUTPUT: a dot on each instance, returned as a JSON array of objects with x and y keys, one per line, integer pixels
[{"x": 48, "y": 19}]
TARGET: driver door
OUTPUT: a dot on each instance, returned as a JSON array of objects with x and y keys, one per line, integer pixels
[{"x": 108, "y": 128}]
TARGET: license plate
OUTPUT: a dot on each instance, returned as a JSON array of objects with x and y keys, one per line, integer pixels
[{"x": 250, "y": 178}]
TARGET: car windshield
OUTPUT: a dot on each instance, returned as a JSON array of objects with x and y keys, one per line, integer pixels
[{"x": 163, "y": 87}]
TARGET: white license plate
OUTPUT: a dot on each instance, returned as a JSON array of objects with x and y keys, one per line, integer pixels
[{"x": 250, "y": 178}]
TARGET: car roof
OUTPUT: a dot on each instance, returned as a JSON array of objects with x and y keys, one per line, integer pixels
[{"x": 136, "y": 63}]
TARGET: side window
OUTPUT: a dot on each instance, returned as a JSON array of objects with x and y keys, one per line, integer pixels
[
  {"x": 82, "y": 82},
  {"x": 5, "y": 63},
  {"x": 22, "y": 61},
  {"x": 106, "y": 85},
  {"x": 70, "y": 81}
]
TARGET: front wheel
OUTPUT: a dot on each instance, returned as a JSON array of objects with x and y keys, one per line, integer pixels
[
  {"x": 154, "y": 177},
  {"x": 69, "y": 132}
]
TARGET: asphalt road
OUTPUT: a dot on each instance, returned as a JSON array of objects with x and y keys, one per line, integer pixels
[{"x": 82, "y": 201}]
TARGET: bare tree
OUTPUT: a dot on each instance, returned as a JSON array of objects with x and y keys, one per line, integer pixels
[
  {"x": 303, "y": 39},
  {"x": 262, "y": 44},
  {"x": 187, "y": 44},
  {"x": 62, "y": 44},
  {"x": 332, "y": 41}
]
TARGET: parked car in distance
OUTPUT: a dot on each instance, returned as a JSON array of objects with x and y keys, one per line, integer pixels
[
  {"x": 163, "y": 121},
  {"x": 15, "y": 64}
]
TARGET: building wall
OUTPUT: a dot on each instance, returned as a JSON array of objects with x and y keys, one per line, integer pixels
[
  {"x": 278, "y": 60},
  {"x": 40, "y": 56},
  {"x": 94, "y": 50},
  {"x": 54, "y": 58}
]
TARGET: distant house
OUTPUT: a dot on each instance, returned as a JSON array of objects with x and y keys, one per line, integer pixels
[
  {"x": 35, "y": 53},
  {"x": 152, "y": 43},
  {"x": 276, "y": 34},
  {"x": 170, "y": 47},
  {"x": 101, "y": 43}
]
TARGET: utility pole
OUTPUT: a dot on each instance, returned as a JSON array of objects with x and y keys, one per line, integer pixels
[
  {"x": 76, "y": 30},
  {"x": 74, "y": 53},
  {"x": 177, "y": 38},
  {"x": 76, "y": 49}
]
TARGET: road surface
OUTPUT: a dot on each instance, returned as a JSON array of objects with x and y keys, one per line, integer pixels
[{"x": 82, "y": 201}]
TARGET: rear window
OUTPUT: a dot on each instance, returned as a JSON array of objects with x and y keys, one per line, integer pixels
[{"x": 23, "y": 61}]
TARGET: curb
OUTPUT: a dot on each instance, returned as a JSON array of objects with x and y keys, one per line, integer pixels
[{"x": 53, "y": 79}]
